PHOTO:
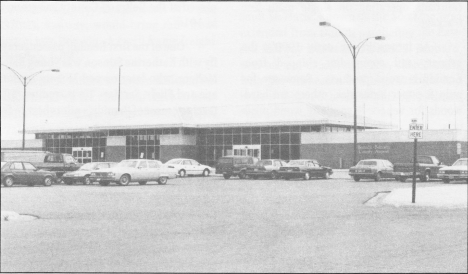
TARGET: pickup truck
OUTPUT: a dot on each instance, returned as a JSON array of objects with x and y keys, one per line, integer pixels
[
  {"x": 56, "y": 162},
  {"x": 427, "y": 167}
]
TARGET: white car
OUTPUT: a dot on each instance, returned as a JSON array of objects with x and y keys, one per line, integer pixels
[
  {"x": 134, "y": 170},
  {"x": 457, "y": 171},
  {"x": 185, "y": 167}
]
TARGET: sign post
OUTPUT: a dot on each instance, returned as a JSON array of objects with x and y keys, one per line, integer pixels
[{"x": 415, "y": 132}]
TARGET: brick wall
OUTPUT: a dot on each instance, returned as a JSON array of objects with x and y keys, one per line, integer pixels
[{"x": 330, "y": 154}]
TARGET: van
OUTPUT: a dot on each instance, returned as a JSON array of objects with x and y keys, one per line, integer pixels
[
  {"x": 56, "y": 162},
  {"x": 234, "y": 165}
]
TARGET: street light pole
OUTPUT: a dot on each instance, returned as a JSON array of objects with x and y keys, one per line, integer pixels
[
  {"x": 119, "y": 87},
  {"x": 25, "y": 81},
  {"x": 354, "y": 52}
]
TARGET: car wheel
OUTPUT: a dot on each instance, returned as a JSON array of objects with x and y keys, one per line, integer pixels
[
  {"x": 446, "y": 181},
  {"x": 9, "y": 181},
  {"x": 242, "y": 174},
  {"x": 206, "y": 173},
  {"x": 182, "y": 173},
  {"x": 104, "y": 183},
  {"x": 274, "y": 175},
  {"x": 327, "y": 175},
  {"x": 227, "y": 176},
  {"x": 48, "y": 181},
  {"x": 425, "y": 177},
  {"x": 402, "y": 179},
  {"x": 142, "y": 183},
  {"x": 307, "y": 176},
  {"x": 124, "y": 180},
  {"x": 378, "y": 176},
  {"x": 86, "y": 180},
  {"x": 356, "y": 178},
  {"x": 162, "y": 180}
]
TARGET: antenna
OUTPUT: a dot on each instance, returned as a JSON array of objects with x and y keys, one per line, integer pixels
[{"x": 399, "y": 108}]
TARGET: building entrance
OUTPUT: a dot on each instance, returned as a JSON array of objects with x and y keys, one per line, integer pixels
[
  {"x": 83, "y": 154},
  {"x": 247, "y": 150}
]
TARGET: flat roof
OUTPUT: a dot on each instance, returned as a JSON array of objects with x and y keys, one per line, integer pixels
[{"x": 209, "y": 117}]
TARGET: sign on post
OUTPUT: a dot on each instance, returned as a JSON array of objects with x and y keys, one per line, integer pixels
[{"x": 415, "y": 132}]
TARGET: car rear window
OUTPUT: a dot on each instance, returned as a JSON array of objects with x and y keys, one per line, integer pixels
[{"x": 367, "y": 163}]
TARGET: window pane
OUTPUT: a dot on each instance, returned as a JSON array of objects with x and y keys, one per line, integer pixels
[
  {"x": 236, "y": 139},
  {"x": 266, "y": 139},
  {"x": 219, "y": 139},
  {"x": 246, "y": 139},
  {"x": 228, "y": 139},
  {"x": 284, "y": 152},
  {"x": 284, "y": 138},
  {"x": 275, "y": 138},
  {"x": 295, "y": 152},
  {"x": 265, "y": 152},
  {"x": 255, "y": 139}
]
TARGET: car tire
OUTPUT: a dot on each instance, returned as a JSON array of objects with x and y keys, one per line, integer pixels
[
  {"x": 446, "y": 181},
  {"x": 425, "y": 177},
  {"x": 142, "y": 183},
  {"x": 206, "y": 173},
  {"x": 356, "y": 178},
  {"x": 124, "y": 180},
  {"x": 182, "y": 173},
  {"x": 87, "y": 180},
  {"x": 402, "y": 179},
  {"x": 104, "y": 183},
  {"x": 307, "y": 176},
  {"x": 48, "y": 181},
  {"x": 378, "y": 176},
  {"x": 8, "y": 181},
  {"x": 227, "y": 176},
  {"x": 274, "y": 175},
  {"x": 327, "y": 175},
  {"x": 162, "y": 180},
  {"x": 242, "y": 175}
]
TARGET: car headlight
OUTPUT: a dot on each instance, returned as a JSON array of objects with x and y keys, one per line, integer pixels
[
  {"x": 441, "y": 172},
  {"x": 93, "y": 173},
  {"x": 464, "y": 172},
  {"x": 110, "y": 174}
]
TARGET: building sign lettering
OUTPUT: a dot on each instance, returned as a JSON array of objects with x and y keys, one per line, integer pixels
[{"x": 374, "y": 149}]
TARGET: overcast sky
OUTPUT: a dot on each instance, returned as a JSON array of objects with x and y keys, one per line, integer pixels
[{"x": 204, "y": 53}]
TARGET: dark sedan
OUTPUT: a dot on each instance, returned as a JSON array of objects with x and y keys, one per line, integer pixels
[
  {"x": 16, "y": 172},
  {"x": 306, "y": 169},
  {"x": 83, "y": 173}
]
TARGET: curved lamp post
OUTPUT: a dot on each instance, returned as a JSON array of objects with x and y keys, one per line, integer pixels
[
  {"x": 354, "y": 49},
  {"x": 25, "y": 81}
]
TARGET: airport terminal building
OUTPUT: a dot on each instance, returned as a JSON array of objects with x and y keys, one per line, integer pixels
[{"x": 284, "y": 131}]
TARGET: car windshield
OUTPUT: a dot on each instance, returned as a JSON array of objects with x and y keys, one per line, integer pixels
[
  {"x": 88, "y": 166},
  {"x": 264, "y": 163},
  {"x": 296, "y": 163},
  {"x": 459, "y": 162},
  {"x": 173, "y": 161},
  {"x": 68, "y": 159},
  {"x": 3, "y": 164},
  {"x": 367, "y": 163},
  {"x": 127, "y": 163}
]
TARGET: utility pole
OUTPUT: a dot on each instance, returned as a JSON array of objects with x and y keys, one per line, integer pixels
[{"x": 119, "y": 88}]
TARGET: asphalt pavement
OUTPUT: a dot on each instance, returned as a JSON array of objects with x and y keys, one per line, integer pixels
[{"x": 217, "y": 225}]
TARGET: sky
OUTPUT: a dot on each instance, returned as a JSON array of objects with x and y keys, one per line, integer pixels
[{"x": 231, "y": 53}]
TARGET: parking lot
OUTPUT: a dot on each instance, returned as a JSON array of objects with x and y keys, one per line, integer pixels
[{"x": 211, "y": 224}]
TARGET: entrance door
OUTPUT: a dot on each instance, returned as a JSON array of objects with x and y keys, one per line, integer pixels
[
  {"x": 247, "y": 150},
  {"x": 83, "y": 154}
]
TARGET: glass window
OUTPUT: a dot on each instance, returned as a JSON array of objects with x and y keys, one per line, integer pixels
[
  {"x": 29, "y": 166},
  {"x": 143, "y": 164},
  {"x": 173, "y": 162},
  {"x": 275, "y": 140},
  {"x": 236, "y": 130},
  {"x": 16, "y": 166},
  {"x": 153, "y": 164},
  {"x": 187, "y": 163},
  {"x": 236, "y": 139},
  {"x": 284, "y": 153},
  {"x": 68, "y": 159},
  {"x": 265, "y": 130},
  {"x": 285, "y": 129},
  {"x": 255, "y": 130},
  {"x": 246, "y": 139},
  {"x": 127, "y": 163},
  {"x": 284, "y": 138},
  {"x": 296, "y": 138},
  {"x": 265, "y": 139},
  {"x": 174, "y": 130},
  {"x": 210, "y": 140},
  {"x": 228, "y": 131},
  {"x": 194, "y": 162},
  {"x": 219, "y": 139},
  {"x": 158, "y": 131},
  {"x": 246, "y": 130},
  {"x": 255, "y": 139},
  {"x": 275, "y": 129}
]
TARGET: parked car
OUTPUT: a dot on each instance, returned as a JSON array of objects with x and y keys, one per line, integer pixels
[
  {"x": 134, "y": 170},
  {"x": 234, "y": 165},
  {"x": 185, "y": 167},
  {"x": 457, "y": 171},
  {"x": 372, "y": 169},
  {"x": 265, "y": 168},
  {"x": 84, "y": 172},
  {"x": 56, "y": 162},
  {"x": 306, "y": 169},
  {"x": 427, "y": 167},
  {"x": 16, "y": 172}
]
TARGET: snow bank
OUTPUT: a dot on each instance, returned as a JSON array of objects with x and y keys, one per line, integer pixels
[
  {"x": 451, "y": 196},
  {"x": 13, "y": 216}
]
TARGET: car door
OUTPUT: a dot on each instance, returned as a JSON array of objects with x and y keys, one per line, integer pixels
[
  {"x": 154, "y": 170},
  {"x": 18, "y": 172},
  {"x": 197, "y": 168},
  {"x": 142, "y": 172},
  {"x": 32, "y": 176},
  {"x": 188, "y": 166}
]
